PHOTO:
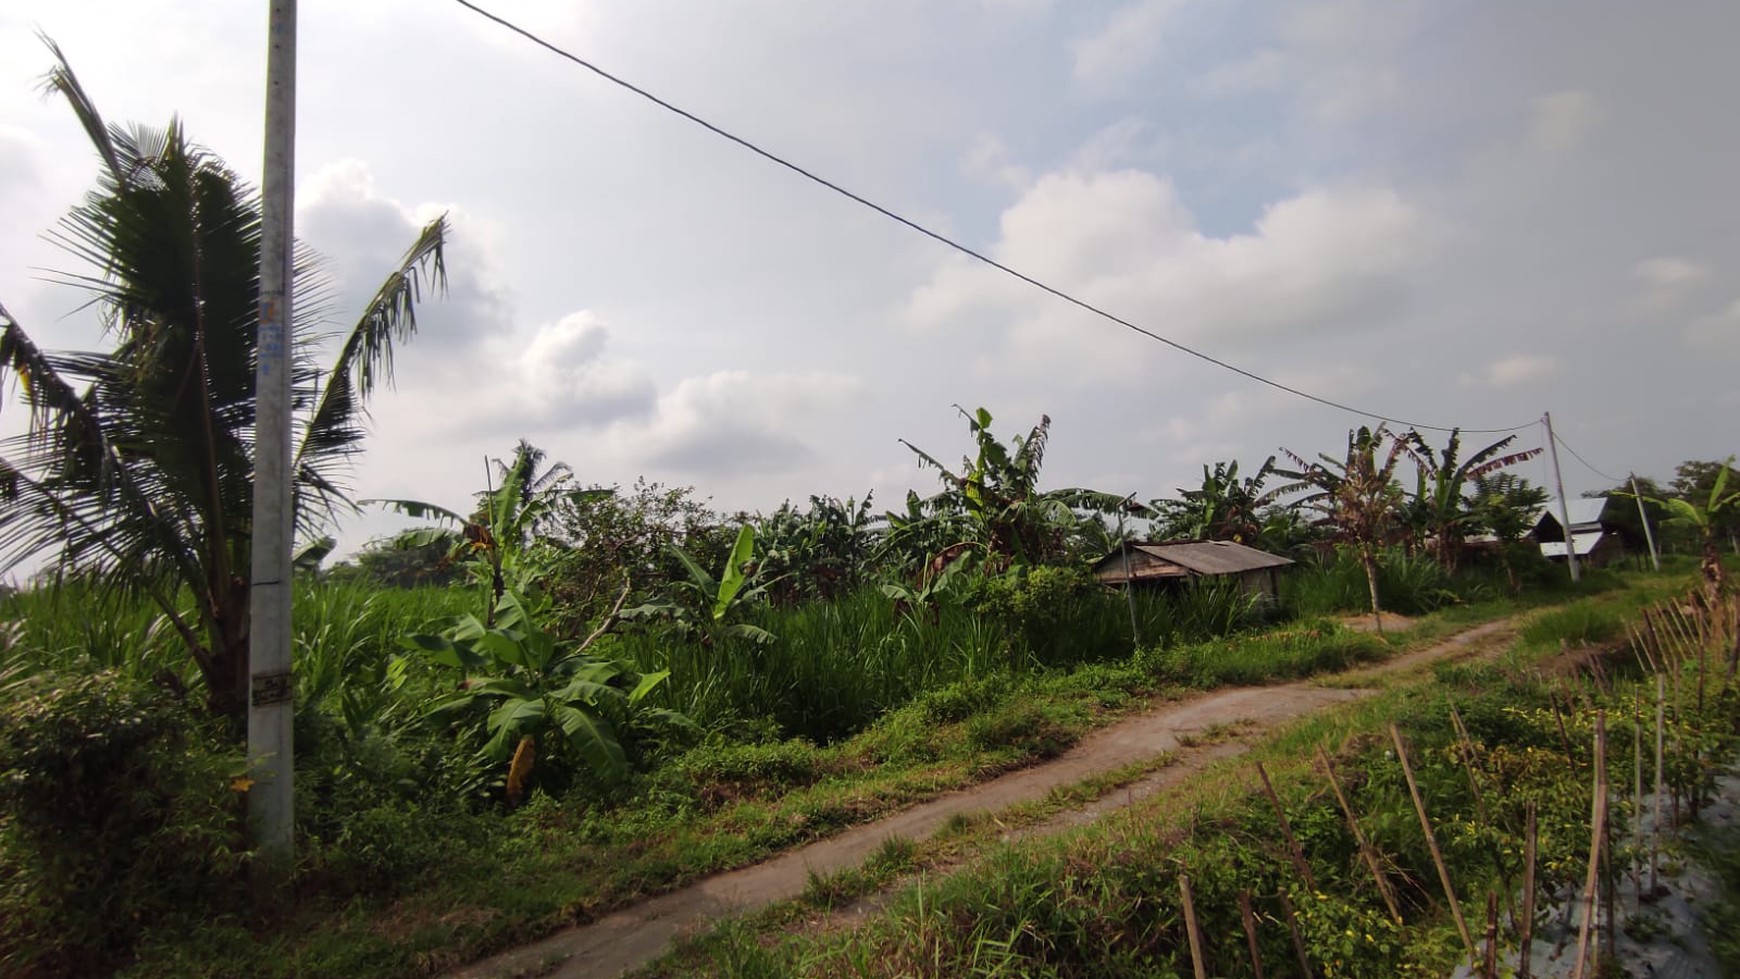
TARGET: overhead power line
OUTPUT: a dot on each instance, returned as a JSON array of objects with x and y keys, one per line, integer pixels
[
  {"x": 937, "y": 236},
  {"x": 1586, "y": 465}
]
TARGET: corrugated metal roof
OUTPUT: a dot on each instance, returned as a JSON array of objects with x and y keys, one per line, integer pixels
[
  {"x": 1209, "y": 557},
  {"x": 1585, "y": 513},
  {"x": 1585, "y": 545}
]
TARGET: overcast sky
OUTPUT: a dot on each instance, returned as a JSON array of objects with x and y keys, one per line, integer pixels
[{"x": 1461, "y": 213}]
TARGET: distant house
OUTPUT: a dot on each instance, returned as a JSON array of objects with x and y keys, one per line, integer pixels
[
  {"x": 1595, "y": 539},
  {"x": 1176, "y": 562}
]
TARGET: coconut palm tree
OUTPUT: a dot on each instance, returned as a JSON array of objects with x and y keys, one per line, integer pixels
[
  {"x": 137, "y": 466},
  {"x": 1225, "y": 507}
]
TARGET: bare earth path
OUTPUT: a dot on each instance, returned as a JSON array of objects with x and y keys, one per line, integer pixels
[{"x": 636, "y": 935}]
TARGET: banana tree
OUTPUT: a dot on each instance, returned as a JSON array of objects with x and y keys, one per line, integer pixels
[
  {"x": 534, "y": 690},
  {"x": 994, "y": 500},
  {"x": 498, "y": 542},
  {"x": 706, "y": 604},
  {"x": 1444, "y": 478}
]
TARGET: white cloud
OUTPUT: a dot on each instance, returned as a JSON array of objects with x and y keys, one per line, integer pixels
[
  {"x": 558, "y": 378},
  {"x": 1128, "y": 42},
  {"x": 1514, "y": 370},
  {"x": 733, "y": 423},
  {"x": 1319, "y": 264}
]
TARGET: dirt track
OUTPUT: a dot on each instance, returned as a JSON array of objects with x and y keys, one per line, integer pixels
[{"x": 636, "y": 935}]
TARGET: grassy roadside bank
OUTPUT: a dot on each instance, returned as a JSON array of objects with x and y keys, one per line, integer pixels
[
  {"x": 725, "y": 806},
  {"x": 1105, "y": 900}
]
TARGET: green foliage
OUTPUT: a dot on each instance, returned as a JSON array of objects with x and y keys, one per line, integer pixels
[
  {"x": 116, "y": 819},
  {"x": 820, "y": 553},
  {"x": 616, "y": 536},
  {"x": 992, "y": 506},
  {"x": 1441, "y": 515},
  {"x": 532, "y": 692},
  {"x": 530, "y": 686},
  {"x": 396, "y": 562},
  {"x": 708, "y": 607},
  {"x": 1224, "y": 507}
]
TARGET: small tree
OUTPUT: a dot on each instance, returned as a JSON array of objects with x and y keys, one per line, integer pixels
[
  {"x": 1505, "y": 505},
  {"x": 1358, "y": 494}
]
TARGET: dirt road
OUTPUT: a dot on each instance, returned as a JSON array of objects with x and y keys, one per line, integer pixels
[{"x": 638, "y": 934}]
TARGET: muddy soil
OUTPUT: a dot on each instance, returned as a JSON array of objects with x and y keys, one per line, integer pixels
[{"x": 638, "y": 934}]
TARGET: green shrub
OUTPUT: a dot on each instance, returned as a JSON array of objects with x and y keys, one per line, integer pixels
[{"x": 119, "y": 820}]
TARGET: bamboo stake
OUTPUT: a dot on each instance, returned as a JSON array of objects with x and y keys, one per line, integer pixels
[
  {"x": 1527, "y": 938},
  {"x": 1674, "y": 677},
  {"x": 1250, "y": 922},
  {"x": 1293, "y": 849},
  {"x": 1691, "y": 632},
  {"x": 1637, "y": 798},
  {"x": 1298, "y": 940},
  {"x": 1608, "y": 876},
  {"x": 1655, "y": 829},
  {"x": 1489, "y": 969},
  {"x": 1366, "y": 852},
  {"x": 1196, "y": 962},
  {"x": 1432, "y": 842},
  {"x": 1597, "y": 817}
]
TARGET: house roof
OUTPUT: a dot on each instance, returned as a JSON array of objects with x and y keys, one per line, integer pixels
[
  {"x": 1205, "y": 558},
  {"x": 1585, "y": 543},
  {"x": 1584, "y": 513}
]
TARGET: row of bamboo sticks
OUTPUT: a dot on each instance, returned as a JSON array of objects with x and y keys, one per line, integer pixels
[{"x": 1670, "y": 636}]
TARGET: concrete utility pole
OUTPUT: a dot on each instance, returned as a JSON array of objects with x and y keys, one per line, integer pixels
[
  {"x": 1643, "y": 515},
  {"x": 271, "y": 759},
  {"x": 1564, "y": 506}
]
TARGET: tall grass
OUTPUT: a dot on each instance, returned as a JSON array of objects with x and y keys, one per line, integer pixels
[
  {"x": 1407, "y": 584},
  {"x": 340, "y": 632},
  {"x": 833, "y": 667}
]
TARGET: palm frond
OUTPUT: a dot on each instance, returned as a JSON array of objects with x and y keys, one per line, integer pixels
[
  {"x": 334, "y": 431},
  {"x": 60, "y": 79}
]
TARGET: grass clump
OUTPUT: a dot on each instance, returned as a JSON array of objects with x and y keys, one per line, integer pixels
[
  {"x": 1283, "y": 654},
  {"x": 1582, "y": 623}
]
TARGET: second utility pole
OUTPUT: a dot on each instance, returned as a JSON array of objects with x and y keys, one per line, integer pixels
[{"x": 1564, "y": 507}]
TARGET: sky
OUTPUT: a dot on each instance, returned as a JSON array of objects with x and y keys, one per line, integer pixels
[{"x": 1451, "y": 212}]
